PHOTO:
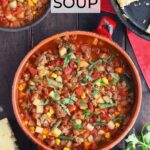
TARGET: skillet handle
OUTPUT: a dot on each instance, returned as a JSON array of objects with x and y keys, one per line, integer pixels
[{"x": 106, "y": 27}]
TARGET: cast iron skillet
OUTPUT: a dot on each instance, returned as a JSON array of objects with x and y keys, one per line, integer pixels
[
  {"x": 34, "y": 23},
  {"x": 138, "y": 16}
]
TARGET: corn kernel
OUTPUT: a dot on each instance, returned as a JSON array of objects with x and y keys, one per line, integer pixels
[
  {"x": 30, "y": 3},
  {"x": 117, "y": 125},
  {"x": 32, "y": 129},
  {"x": 107, "y": 135},
  {"x": 26, "y": 122},
  {"x": 48, "y": 114},
  {"x": 66, "y": 148},
  {"x": 95, "y": 42},
  {"x": 119, "y": 70},
  {"x": 21, "y": 87},
  {"x": 105, "y": 80},
  {"x": 56, "y": 132},
  {"x": 54, "y": 75},
  {"x": 44, "y": 136},
  {"x": 57, "y": 141},
  {"x": 34, "y": 1},
  {"x": 83, "y": 95},
  {"x": 34, "y": 13},
  {"x": 98, "y": 84},
  {"x": 45, "y": 131},
  {"x": 117, "y": 113}
]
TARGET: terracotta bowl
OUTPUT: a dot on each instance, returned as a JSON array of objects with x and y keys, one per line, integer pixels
[{"x": 111, "y": 45}]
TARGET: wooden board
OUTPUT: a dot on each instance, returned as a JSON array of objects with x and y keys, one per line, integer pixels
[{"x": 14, "y": 46}]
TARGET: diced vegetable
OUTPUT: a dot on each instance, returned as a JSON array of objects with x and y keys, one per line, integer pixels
[
  {"x": 56, "y": 132},
  {"x": 100, "y": 123},
  {"x": 62, "y": 52},
  {"x": 90, "y": 138},
  {"x": 38, "y": 130},
  {"x": 39, "y": 109},
  {"x": 83, "y": 64},
  {"x": 63, "y": 137},
  {"x": 53, "y": 83},
  {"x": 111, "y": 125},
  {"x": 107, "y": 105},
  {"x": 90, "y": 127},
  {"x": 38, "y": 102}
]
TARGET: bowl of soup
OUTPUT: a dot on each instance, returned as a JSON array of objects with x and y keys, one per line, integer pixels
[
  {"x": 16, "y": 15},
  {"x": 76, "y": 90}
]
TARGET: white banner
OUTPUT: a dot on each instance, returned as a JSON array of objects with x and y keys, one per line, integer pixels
[{"x": 75, "y": 6}]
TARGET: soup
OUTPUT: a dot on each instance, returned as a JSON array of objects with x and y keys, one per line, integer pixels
[
  {"x": 75, "y": 94},
  {"x": 18, "y": 13}
]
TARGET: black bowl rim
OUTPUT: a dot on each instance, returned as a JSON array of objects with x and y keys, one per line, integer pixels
[
  {"x": 128, "y": 23},
  {"x": 28, "y": 26}
]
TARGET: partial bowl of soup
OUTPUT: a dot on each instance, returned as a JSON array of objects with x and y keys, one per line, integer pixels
[
  {"x": 16, "y": 15},
  {"x": 76, "y": 91}
]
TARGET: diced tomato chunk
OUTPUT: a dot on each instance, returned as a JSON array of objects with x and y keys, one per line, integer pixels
[
  {"x": 123, "y": 92},
  {"x": 71, "y": 108},
  {"x": 95, "y": 75},
  {"x": 32, "y": 70},
  {"x": 93, "y": 146},
  {"x": 4, "y": 3},
  {"x": 4, "y": 21},
  {"x": 103, "y": 115},
  {"x": 79, "y": 91},
  {"x": 67, "y": 70},
  {"x": 18, "y": 10},
  {"x": 91, "y": 106}
]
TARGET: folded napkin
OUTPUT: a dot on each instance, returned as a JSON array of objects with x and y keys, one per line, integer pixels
[{"x": 140, "y": 46}]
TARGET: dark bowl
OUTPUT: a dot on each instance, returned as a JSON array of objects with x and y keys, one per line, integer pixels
[
  {"x": 32, "y": 24},
  {"x": 128, "y": 23}
]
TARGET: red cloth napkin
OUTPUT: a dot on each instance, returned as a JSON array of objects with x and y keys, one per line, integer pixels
[{"x": 140, "y": 46}]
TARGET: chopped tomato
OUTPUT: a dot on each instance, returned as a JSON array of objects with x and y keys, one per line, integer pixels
[
  {"x": 4, "y": 3},
  {"x": 91, "y": 106},
  {"x": 67, "y": 70},
  {"x": 79, "y": 91},
  {"x": 32, "y": 70},
  {"x": 95, "y": 75},
  {"x": 18, "y": 10},
  {"x": 71, "y": 108},
  {"x": 4, "y": 21}
]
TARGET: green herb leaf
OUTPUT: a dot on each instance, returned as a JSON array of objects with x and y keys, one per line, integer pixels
[
  {"x": 68, "y": 138},
  {"x": 31, "y": 87},
  {"x": 70, "y": 100},
  {"x": 68, "y": 58},
  {"x": 87, "y": 114},
  {"x": 46, "y": 102},
  {"x": 56, "y": 68},
  {"x": 115, "y": 77},
  {"x": 122, "y": 116},
  {"x": 99, "y": 123},
  {"x": 36, "y": 80},
  {"x": 102, "y": 106},
  {"x": 95, "y": 92},
  {"x": 126, "y": 78},
  {"x": 87, "y": 78},
  {"x": 66, "y": 109},
  {"x": 142, "y": 141},
  {"x": 111, "y": 58},
  {"x": 79, "y": 73},
  {"x": 53, "y": 83},
  {"x": 77, "y": 126}
]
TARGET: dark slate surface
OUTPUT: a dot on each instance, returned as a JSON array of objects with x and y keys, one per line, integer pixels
[{"x": 14, "y": 46}]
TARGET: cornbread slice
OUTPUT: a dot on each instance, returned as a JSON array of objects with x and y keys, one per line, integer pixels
[
  {"x": 7, "y": 139},
  {"x": 148, "y": 29},
  {"x": 124, "y": 3}
]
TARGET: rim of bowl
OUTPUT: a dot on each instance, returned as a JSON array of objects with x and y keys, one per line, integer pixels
[
  {"x": 84, "y": 33},
  {"x": 28, "y": 26}
]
